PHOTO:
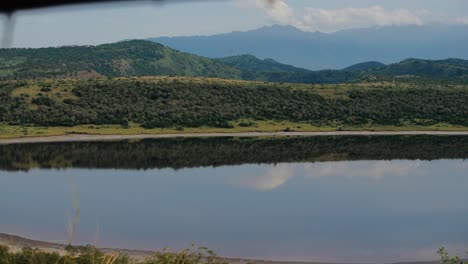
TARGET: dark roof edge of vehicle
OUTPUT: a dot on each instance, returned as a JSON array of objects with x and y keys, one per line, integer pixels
[{"x": 12, "y": 6}]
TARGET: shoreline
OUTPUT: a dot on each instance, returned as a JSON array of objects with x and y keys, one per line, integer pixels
[
  {"x": 116, "y": 137},
  {"x": 16, "y": 243}
]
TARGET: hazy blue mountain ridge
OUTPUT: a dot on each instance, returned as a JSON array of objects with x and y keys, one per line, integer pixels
[{"x": 316, "y": 51}]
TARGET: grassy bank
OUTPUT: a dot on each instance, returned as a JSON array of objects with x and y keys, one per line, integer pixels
[
  {"x": 10, "y": 131},
  {"x": 170, "y": 105}
]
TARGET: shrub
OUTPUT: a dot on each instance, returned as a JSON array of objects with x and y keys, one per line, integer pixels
[
  {"x": 445, "y": 258},
  {"x": 43, "y": 101},
  {"x": 247, "y": 124},
  {"x": 199, "y": 255},
  {"x": 46, "y": 89}
]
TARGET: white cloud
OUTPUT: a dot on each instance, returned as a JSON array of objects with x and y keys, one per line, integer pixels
[
  {"x": 336, "y": 19},
  {"x": 278, "y": 175},
  {"x": 329, "y": 20},
  {"x": 276, "y": 10}
]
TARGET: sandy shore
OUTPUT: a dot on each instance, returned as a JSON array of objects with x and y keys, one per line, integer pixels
[
  {"x": 16, "y": 243},
  {"x": 87, "y": 137}
]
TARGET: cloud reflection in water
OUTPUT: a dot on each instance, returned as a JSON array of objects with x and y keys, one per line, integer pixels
[{"x": 278, "y": 175}]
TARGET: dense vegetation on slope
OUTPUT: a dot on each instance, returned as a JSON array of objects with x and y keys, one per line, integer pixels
[
  {"x": 252, "y": 63},
  {"x": 127, "y": 58},
  {"x": 201, "y": 152},
  {"x": 144, "y": 58},
  {"x": 189, "y": 102},
  {"x": 449, "y": 68},
  {"x": 272, "y": 71}
]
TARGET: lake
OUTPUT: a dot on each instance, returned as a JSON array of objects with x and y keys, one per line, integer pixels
[{"x": 331, "y": 199}]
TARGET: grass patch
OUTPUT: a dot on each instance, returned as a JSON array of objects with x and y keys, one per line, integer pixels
[{"x": 57, "y": 90}]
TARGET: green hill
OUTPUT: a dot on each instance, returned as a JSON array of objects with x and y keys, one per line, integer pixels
[
  {"x": 254, "y": 64},
  {"x": 272, "y": 71},
  {"x": 450, "y": 68},
  {"x": 145, "y": 58},
  {"x": 127, "y": 58},
  {"x": 364, "y": 66}
]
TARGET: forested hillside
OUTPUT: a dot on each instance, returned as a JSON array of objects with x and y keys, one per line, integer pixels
[
  {"x": 455, "y": 70},
  {"x": 364, "y": 66},
  {"x": 127, "y": 58},
  {"x": 449, "y": 68},
  {"x": 269, "y": 70},
  {"x": 251, "y": 63},
  {"x": 189, "y": 102}
]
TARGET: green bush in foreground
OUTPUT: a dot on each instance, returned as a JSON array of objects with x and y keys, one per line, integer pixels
[
  {"x": 91, "y": 255},
  {"x": 445, "y": 258}
]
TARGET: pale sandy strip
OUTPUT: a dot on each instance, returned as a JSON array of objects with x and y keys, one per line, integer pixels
[{"x": 77, "y": 137}]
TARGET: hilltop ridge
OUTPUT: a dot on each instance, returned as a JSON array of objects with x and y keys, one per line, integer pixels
[{"x": 144, "y": 58}]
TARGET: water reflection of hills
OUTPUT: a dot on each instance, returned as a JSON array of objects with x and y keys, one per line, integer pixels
[{"x": 198, "y": 152}]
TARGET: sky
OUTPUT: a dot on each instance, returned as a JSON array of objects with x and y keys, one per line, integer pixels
[{"x": 95, "y": 24}]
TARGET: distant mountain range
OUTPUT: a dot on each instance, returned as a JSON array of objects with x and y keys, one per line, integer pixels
[
  {"x": 141, "y": 58},
  {"x": 316, "y": 51}
]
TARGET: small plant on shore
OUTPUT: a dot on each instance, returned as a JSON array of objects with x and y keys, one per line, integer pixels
[
  {"x": 91, "y": 255},
  {"x": 445, "y": 258},
  {"x": 200, "y": 255}
]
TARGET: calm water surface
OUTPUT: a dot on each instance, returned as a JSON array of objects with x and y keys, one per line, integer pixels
[{"x": 321, "y": 200}]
